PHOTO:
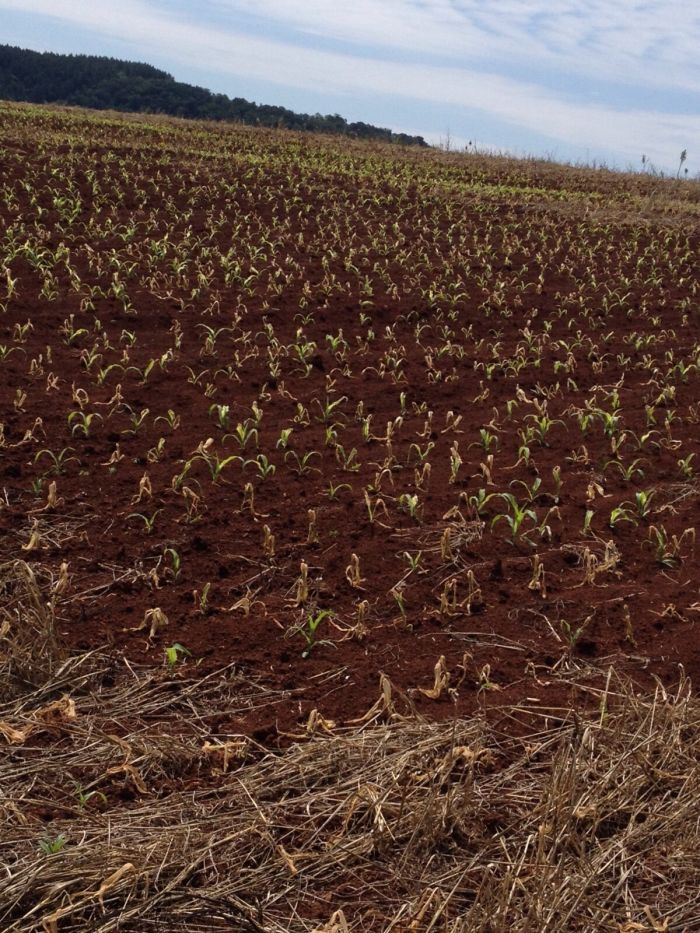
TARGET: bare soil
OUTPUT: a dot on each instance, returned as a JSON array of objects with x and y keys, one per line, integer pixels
[
  {"x": 515, "y": 268},
  {"x": 436, "y": 332}
]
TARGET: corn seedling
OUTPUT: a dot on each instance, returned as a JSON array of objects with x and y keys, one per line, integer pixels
[
  {"x": 352, "y": 572},
  {"x": 58, "y": 460},
  {"x": 479, "y": 500},
  {"x": 348, "y": 461},
  {"x": 174, "y": 654},
  {"x": 201, "y": 599},
  {"x": 515, "y": 517},
  {"x": 171, "y": 419},
  {"x": 268, "y": 542},
  {"x": 572, "y": 633},
  {"x": 486, "y": 470},
  {"x": 149, "y": 521},
  {"x": 5, "y": 351},
  {"x": 413, "y": 560},
  {"x": 537, "y": 581},
  {"x": 333, "y": 491},
  {"x": 283, "y": 440},
  {"x": 309, "y": 630},
  {"x": 301, "y": 587},
  {"x": 53, "y": 500},
  {"x": 411, "y": 504},
  {"x": 215, "y": 463},
  {"x": 556, "y": 476},
  {"x": 532, "y": 492},
  {"x": 302, "y": 416},
  {"x": 541, "y": 426},
  {"x": 312, "y": 535},
  {"x": 221, "y": 415},
  {"x": 685, "y": 466},
  {"x": 448, "y": 598},
  {"x": 398, "y": 593},
  {"x": 668, "y": 548},
  {"x": 621, "y": 514},
  {"x": 421, "y": 477},
  {"x": 630, "y": 472},
  {"x": 422, "y": 453},
  {"x": 484, "y": 681},
  {"x": 487, "y": 440},
  {"x": 328, "y": 408},
  {"x": 642, "y": 502},
  {"x": 262, "y": 465},
  {"x": 145, "y": 489},
  {"x": 52, "y": 846},
  {"x": 244, "y": 434},
  {"x": 544, "y": 529},
  {"x": 446, "y": 552},
  {"x": 474, "y": 596},
  {"x": 80, "y": 422},
  {"x": 85, "y": 796},
  {"x": 455, "y": 462},
  {"x": 302, "y": 465},
  {"x": 175, "y": 562},
  {"x": 155, "y": 454},
  {"x": 153, "y": 619}
]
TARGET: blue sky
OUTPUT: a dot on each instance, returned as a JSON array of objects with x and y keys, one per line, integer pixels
[{"x": 580, "y": 80}]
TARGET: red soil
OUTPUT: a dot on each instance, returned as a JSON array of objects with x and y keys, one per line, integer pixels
[{"x": 434, "y": 269}]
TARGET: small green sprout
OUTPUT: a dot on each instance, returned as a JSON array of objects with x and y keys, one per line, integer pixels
[
  {"x": 221, "y": 414},
  {"x": 411, "y": 504},
  {"x": 80, "y": 422},
  {"x": 480, "y": 500},
  {"x": 175, "y": 653},
  {"x": 262, "y": 465},
  {"x": 58, "y": 460},
  {"x": 515, "y": 517},
  {"x": 175, "y": 561},
  {"x": 52, "y": 846},
  {"x": 171, "y": 419},
  {"x": 201, "y": 600},
  {"x": 685, "y": 466},
  {"x": 328, "y": 407},
  {"x": 413, "y": 560},
  {"x": 309, "y": 629},
  {"x": 85, "y": 796},
  {"x": 333, "y": 491},
  {"x": 620, "y": 514},
  {"x": 302, "y": 464},
  {"x": 283, "y": 439},
  {"x": 148, "y": 520}
]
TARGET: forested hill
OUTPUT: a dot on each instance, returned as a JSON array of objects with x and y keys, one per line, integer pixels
[{"x": 110, "y": 84}]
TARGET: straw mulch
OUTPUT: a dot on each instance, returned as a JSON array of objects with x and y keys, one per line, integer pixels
[{"x": 121, "y": 812}]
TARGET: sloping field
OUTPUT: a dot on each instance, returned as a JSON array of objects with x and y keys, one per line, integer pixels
[{"x": 348, "y": 572}]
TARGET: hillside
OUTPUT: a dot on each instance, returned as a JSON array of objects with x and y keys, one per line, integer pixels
[
  {"x": 110, "y": 84},
  {"x": 348, "y": 561}
]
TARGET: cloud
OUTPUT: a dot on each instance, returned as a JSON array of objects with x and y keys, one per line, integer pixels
[
  {"x": 653, "y": 43},
  {"x": 360, "y": 69}
]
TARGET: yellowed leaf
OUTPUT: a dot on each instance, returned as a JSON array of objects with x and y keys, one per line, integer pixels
[
  {"x": 14, "y": 736},
  {"x": 441, "y": 680}
]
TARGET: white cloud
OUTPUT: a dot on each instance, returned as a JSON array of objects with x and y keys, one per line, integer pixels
[
  {"x": 654, "y": 43},
  {"x": 399, "y": 23}
]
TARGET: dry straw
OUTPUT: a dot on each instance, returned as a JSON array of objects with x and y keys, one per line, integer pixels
[{"x": 585, "y": 822}]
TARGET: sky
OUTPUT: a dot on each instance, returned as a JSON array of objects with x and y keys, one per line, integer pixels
[{"x": 594, "y": 81}]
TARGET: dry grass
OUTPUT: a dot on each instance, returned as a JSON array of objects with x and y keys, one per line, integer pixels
[
  {"x": 29, "y": 650},
  {"x": 585, "y": 824}
]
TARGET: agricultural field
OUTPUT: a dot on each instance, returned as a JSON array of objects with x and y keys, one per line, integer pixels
[{"x": 348, "y": 560}]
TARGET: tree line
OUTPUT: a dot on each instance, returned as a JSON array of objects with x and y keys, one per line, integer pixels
[{"x": 104, "y": 83}]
